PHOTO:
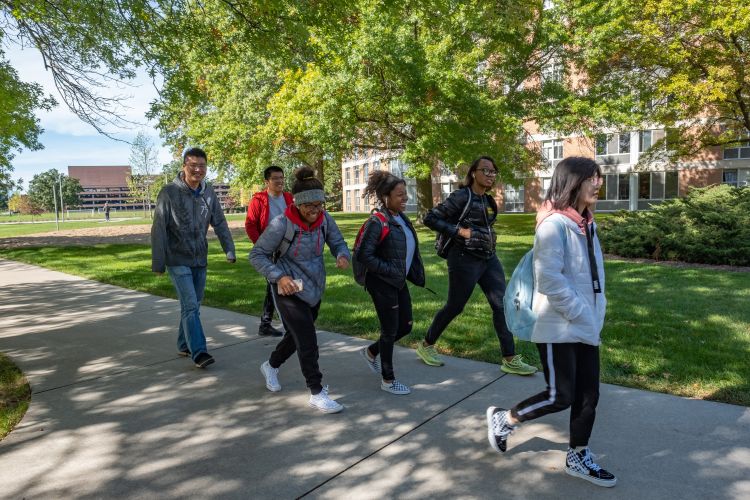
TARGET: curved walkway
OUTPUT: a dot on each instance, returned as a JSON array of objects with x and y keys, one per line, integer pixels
[{"x": 116, "y": 414}]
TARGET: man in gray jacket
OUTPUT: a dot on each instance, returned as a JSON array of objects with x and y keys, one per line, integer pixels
[{"x": 184, "y": 209}]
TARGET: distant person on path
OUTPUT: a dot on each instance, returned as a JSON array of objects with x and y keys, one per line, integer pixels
[
  {"x": 184, "y": 209},
  {"x": 263, "y": 207},
  {"x": 570, "y": 303},
  {"x": 106, "y": 211},
  {"x": 389, "y": 263},
  {"x": 298, "y": 278},
  {"x": 472, "y": 260}
]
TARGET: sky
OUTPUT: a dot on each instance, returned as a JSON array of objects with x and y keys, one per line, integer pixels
[{"x": 69, "y": 141}]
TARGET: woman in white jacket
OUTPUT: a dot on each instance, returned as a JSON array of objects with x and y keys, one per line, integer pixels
[{"x": 570, "y": 304}]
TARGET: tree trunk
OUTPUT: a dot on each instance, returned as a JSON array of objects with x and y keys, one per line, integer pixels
[{"x": 424, "y": 196}]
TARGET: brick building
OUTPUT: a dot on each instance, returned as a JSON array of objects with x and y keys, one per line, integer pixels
[{"x": 109, "y": 184}]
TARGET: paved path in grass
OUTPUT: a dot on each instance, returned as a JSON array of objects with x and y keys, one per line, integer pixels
[{"x": 115, "y": 413}]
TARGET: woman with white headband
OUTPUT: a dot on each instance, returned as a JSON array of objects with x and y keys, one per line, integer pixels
[{"x": 289, "y": 254}]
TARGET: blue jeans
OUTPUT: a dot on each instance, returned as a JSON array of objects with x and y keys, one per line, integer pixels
[{"x": 189, "y": 282}]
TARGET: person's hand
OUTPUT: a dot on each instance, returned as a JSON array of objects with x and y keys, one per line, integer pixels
[
  {"x": 232, "y": 260},
  {"x": 159, "y": 273},
  {"x": 464, "y": 232},
  {"x": 286, "y": 286},
  {"x": 342, "y": 262}
]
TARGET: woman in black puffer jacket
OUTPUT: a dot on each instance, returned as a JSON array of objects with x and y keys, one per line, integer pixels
[
  {"x": 389, "y": 264},
  {"x": 472, "y": 260}
]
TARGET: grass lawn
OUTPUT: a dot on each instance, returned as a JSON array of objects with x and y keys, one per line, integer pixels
[
  {"x": 15, "y": 395},
  {"x": 22, "y": 229},
  {"x": 674, "y": 330}
]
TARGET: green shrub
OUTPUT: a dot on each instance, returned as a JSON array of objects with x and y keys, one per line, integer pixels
[{"x": 710, "y": 226}]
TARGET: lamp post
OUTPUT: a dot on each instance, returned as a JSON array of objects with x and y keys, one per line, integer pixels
[
  {"x": 62, "y": 204},
  {"x": 54, "y": 199}
]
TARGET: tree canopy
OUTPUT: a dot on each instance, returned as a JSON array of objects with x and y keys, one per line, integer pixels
[
  {"x": 678, "y": 64},
  {"x": 41, "y": 186}
]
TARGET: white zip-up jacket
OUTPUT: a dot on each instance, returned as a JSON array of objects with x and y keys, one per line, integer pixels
[{"x": 568, "y": 309}]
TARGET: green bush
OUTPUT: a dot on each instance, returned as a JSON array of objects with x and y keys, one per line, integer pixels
[{"x": 710, "y": 226}]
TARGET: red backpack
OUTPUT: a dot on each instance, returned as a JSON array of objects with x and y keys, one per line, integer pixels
[{"x": 358, "y": 268}]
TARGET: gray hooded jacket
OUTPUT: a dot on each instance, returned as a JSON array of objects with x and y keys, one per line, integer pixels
[
  {"x": 304, "y": 259},
  {"x": 181, "y": 219}
]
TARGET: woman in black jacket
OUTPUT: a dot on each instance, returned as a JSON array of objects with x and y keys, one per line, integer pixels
[
  {"x": 472, "y": 260},
  {"x": 389, "y": 264}
]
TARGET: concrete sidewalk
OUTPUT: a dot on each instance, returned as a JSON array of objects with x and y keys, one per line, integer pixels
[{"x": 115, "y": 413}]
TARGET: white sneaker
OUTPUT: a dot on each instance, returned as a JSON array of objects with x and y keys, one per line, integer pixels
[
  {"x": 395, "y": 387},
  {"x": 272, "y": 377},
  {"x": 322, "y": 402}
]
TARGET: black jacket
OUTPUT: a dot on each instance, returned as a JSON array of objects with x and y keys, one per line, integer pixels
[
  {"x": 387, "y": 259},
  {"x": 480, "y": 219}
]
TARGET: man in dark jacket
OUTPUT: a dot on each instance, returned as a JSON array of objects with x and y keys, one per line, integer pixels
[
  {"x": 263, "y": 207},
  {"x": 184, "y": 209}
]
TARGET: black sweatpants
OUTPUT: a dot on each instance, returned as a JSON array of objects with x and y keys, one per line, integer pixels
[
  {"x": 268, "y": 306},
  {"x": 465, "y": 271},
  {"x": 572, "y": 375},
  {"x": 298, "y": 318},
  {"x": 394, "y": 312}
]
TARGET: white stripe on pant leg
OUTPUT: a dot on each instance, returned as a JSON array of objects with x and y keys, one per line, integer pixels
[
  {"x": 275, "y": 305},
  {"x": 552, "y": 386}
]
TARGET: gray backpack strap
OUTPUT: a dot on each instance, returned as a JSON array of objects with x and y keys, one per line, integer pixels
[{"x": 286, "y": 241}]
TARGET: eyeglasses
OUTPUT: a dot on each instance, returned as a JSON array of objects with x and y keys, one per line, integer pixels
[
  {"x": 596, "y": 180},
  {"x": 488, "y": 172},
  {"x": 312, "y": 207}
]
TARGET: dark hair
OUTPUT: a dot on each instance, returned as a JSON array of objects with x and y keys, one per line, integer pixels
[
  {"x": 380, "y": 184},
  {"x": 567, "y": 179},
  {"x": 469, "y": 178},
  {"x": 196, "y": 152},
  {"x": 270, "y": 170},
  {"x": 305, "y": 180}
]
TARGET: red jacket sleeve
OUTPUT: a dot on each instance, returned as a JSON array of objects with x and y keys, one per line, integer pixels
[{"x": 252, "y": 220}]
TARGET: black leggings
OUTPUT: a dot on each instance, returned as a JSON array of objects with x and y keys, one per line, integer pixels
[
  {"x": 299, "y": 322},
  {"x": 465, "y": 271},
  {"x": 572, "y": 375},
  {"x": 394, "y": 312}
]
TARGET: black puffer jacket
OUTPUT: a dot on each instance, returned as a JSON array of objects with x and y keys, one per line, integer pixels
[
  {"x": 387, "y": 259},
  {"x": 480, "y": 219}
]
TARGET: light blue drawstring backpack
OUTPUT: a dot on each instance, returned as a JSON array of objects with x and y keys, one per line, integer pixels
[{"x": 519, "y": 296}]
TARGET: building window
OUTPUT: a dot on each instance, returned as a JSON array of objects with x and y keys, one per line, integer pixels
[
  {"x": 348, "y": 201},
  {"x": 366, "y": 172},
  {"x": 357, "y": 199},
  {"x": 644, "y": 186},
  {"x": 356, "y": 174},
  {"x": 546, "y": 183},
  {"x": 623, "y": 187},
  {"x": 645, "y": 140},
  {"x": 551, "y": 151},
  {"x": 670, "y": 184},
  {"x": 348, "y": 175},
  {"x": 738, "y": 150},
  {"x": 601, "y": 144},
  {"x": 730, "y": 177},
  {"x": 513, "y": 198},
  {"x": 376, "y": 165},
  {"x": 552, "y": 71},
  {"x": 612, "y": 144},
  {"x": 624, "y": 143}
]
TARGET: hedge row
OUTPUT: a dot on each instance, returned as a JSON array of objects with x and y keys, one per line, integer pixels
[{"x": 710, "y": 226}]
